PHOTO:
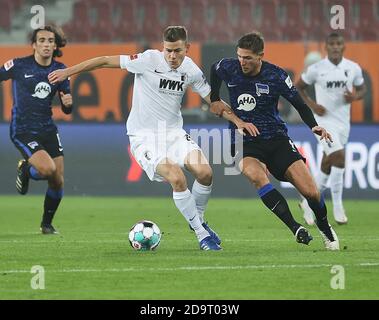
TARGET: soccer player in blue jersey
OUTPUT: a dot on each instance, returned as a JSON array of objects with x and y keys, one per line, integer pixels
[
  {"x": 32, "y": 129},
  {"x": 254, "y": 89}
]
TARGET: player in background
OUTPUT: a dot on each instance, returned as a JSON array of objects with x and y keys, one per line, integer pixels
[
  {"x": 32, "y": 129},
  {"x": 155, "y": 123},
  {"x": 338, "y": 82},
  {"x": 254, "y": 89}
]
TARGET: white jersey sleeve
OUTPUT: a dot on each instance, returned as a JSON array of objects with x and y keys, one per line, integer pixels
[
  {"x": 199, "y": 83},
  {"x": 358, "y": 77},
  {"x": 136, "y": 63},
  {"x": 309, "y": 76}
]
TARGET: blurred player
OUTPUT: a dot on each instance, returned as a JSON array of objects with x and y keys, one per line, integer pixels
[
  {"x": 334, "y": 78},
  {"x": 32, "y": 129},
  {"x": 155, "y": 124},
  {"x": 254, "y": 88}
]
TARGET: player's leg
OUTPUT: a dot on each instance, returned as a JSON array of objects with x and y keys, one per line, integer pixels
[
  {"x": 321, "y": 179},
  {"x": 53, "y": 196},
  {"x": 333, "y": 166},
  {"x": 298, "y": 174},
  {"x": 30, "y": 147},
  {"x": 185, "y": 201},
  {"x": 196, "y": 163},
  {"x": 51, "y": 167},
  {"x": 337, "y": 163},
  {"x": 256, "y": 172}
]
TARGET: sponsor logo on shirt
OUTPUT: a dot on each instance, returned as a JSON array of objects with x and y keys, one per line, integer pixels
[
  {"x": 336, "y": 84},
  {"x": 9, "y": 64},
  {"x": 262, "y": 88},
  {"x": 133, "y": 56},
  {"x": 33, "y": 144},
  {"x": 289, "y": 82},
  {"x": 246, "y": 102},
  {"x": 42, "y": 90},
  {"x": 171, "y": 85}
]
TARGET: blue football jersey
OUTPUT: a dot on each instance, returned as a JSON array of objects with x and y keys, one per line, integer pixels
[
  {"x": 255, "y": 99},
  {"x": 32, "y": 94}
]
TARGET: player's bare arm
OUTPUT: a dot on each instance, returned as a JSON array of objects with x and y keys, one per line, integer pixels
[
  {"x": 66, "y": 99},
  {"x": 358, "y": 93},
  {"x": 87, "y": 65},
  {"x": 317, "y": 108}
]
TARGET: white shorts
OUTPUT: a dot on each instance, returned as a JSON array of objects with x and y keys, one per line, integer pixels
[
  {"x": 340, "y": 139},
  {"x": 150, "y": 150}
]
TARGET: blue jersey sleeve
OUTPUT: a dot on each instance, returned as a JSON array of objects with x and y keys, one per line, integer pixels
[
  {"x": 7, "y": 71},
  {"x": 221, "y": 71},
  {"x": 64, "y": 87},
  {"x": 286, "y": 87}
]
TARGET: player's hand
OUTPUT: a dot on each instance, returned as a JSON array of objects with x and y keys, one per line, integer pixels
[
  {"x": 349, "y": 96},
  {"x": 66, "y": 99},
  {"x": 58, "y": 75},
  {"x": 320, "y": 131},
  {"x": 218, "y": 107},
  {"x": 319, "y": 109},
  {"x": 247, "y": 127}
]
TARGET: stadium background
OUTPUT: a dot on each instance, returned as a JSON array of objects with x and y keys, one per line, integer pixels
[{"x": 97, "y": 160}]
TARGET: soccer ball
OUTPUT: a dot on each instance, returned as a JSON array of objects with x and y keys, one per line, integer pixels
[{"x": 145, "y": 235}]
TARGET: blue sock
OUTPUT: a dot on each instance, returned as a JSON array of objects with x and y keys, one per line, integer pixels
[
  {"x": 320, "y": 211},
  {"x": 52, "y": 201},
  {"x": 33, "y": 173},
  {"x": 273, "y": 200}
]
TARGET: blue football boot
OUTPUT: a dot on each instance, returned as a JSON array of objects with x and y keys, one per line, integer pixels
[
  {"x": 213, "y": 234},
  {"x": 209, "y": 244}
]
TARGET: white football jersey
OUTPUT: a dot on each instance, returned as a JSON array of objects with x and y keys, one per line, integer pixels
[
  {"x": 159, "y": 90},
  {"x": 331, "y": 81}
]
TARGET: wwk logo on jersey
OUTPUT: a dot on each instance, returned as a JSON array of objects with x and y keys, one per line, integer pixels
[
  {"x": 171, "y": 85},
  {"x": 42, "y": 90},
  {"x": 262, "y": 88},
  {"x": 246, "y": 102},
  {"x": 336, "y": 84}
]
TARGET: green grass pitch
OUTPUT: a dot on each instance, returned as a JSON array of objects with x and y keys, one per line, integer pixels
[{"x": 92, "y": 258}]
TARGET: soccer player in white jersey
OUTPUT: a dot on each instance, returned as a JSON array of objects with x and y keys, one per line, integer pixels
[
  {"x": 155, "y": 124},
  {"x": 338, "y": 82}
]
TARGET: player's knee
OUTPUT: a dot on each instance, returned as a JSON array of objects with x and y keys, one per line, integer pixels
[
  {"x": 177, "y": 179},
  {"x": 59, "y": 182},
  {"x": 204, "y": 176},
  {"x": 47, "y": 170},
  {"x": 255, "y": 176}
]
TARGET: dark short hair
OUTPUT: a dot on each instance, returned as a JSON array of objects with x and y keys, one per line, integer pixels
[
  {"x": 333, "y": 35},
  {"x": 175, "y": 33},
  {"x": 60, "y": 38},
  {"x": 253, "y": 41}
]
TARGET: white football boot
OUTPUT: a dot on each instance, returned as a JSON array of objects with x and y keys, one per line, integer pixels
[
  {"x": 331, "y": 245},
  {"x": 340, "y": 216}
]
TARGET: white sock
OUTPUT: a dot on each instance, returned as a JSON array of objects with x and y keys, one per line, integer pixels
[
  {"x": 336, "y": 187},
  {"x": 186, "y": 204},
  {"x": 201, "y": 194},
  {"x": 322, "y": 181}
]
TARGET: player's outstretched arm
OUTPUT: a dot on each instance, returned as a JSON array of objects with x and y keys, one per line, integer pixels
[
  {"x": 320, "y": 131},
  {"x": 87, "y": 65}
]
